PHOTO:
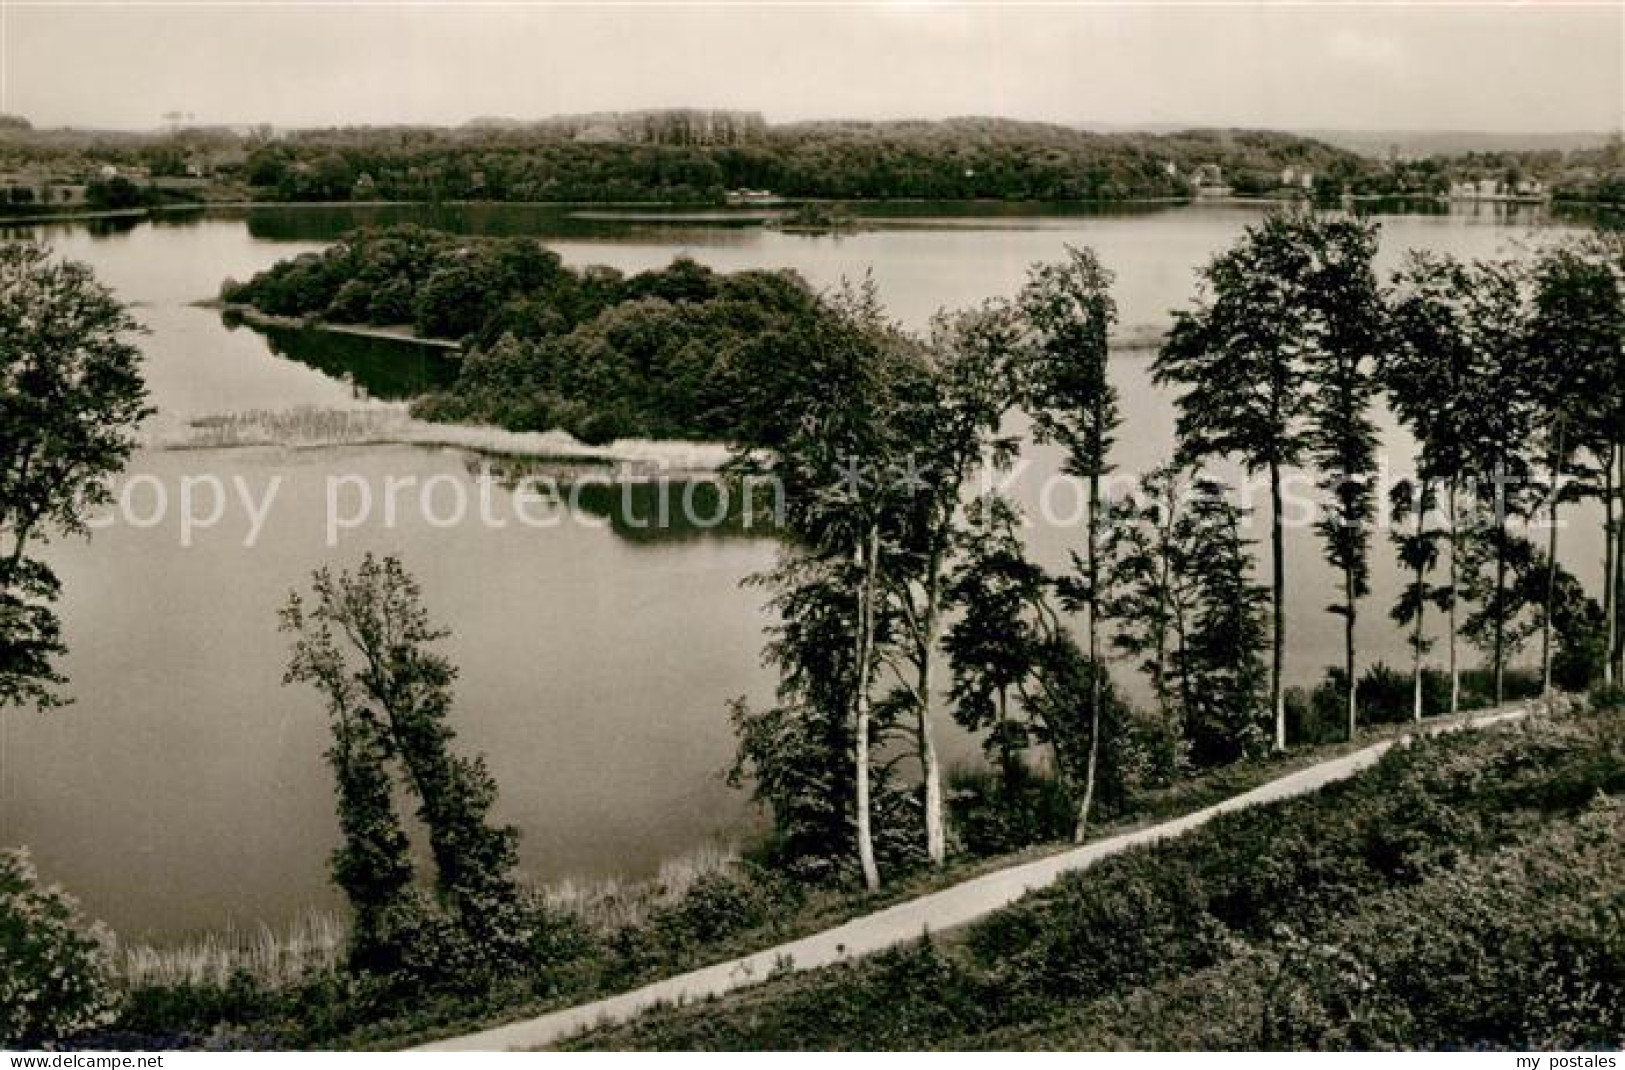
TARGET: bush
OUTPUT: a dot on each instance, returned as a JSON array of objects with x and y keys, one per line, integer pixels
[
  {"x": 1320, "y": 714},
  {"x": 996, "y": 813},
  {"x": 54, "y": 970},
  {"x": 1310, "y": 719},
  {"x": 352, "y": 304},
  {"x": 1607, "y": 697}
]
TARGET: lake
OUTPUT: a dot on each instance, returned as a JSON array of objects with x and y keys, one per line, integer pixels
[{"x": 185, "y": 788}]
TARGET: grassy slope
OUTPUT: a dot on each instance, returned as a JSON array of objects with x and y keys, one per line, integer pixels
[
  {"x": 823, "y": 909},
  {"x": 1465, "y": 892}
]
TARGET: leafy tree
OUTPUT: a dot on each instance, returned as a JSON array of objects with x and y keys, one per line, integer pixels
[
  {"x": 1524, "y": 605},
  {"x": 117, "y": 193},
  {"x": 365, "y": 643},
  {"x": 1146, "y": 540},
  {"x": 1501, "y": 399},
  {"x": 1428, "y": 373},
  {"x": 1186, "y": 605},
  {"x": 1497, "y": 563},
  {"x": 1340, "y": 436},
  {"x": 1605, "y": 442},
  {"x": 1222, "y": 654},
  {"x": 72, "y": 400},
  {"x": 1579, "y": 634},
  {"x": 372, "y": 865},
  {"x": 799, "y": 754},
  {"x": 1575, "y": 341},
  {"x": 1005, "y": 614},
  {"x": 1418, "y": 550},
  {"x": 1459, "y": 376},
  {"x": 837, "y": 451},
  {"x": 56, "y": 973},
  {"x": 950, "y": 416},
  {"x": 1074, "y": 710},
  {"x": 1070, "y": 312},
  {"x": 1274, "y": 309}
]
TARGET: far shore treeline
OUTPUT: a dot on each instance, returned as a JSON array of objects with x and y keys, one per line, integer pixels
[{"x": 699, "y": 157}]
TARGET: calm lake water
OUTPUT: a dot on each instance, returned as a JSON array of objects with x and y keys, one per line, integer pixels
[{"x": 185, "y": 789}]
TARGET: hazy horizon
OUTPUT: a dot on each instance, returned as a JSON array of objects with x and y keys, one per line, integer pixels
[{"x": 1467, "y": 68}]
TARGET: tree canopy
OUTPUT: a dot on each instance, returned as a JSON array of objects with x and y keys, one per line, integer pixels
[{"x": 71, "y": 398}]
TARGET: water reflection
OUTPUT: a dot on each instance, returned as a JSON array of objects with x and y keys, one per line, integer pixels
[
  {"x": 381, "y": 368},
  {"x": 647, "y": 508}
]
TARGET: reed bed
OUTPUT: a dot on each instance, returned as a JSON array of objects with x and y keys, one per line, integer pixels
[
  {"x": 312, "y": 945},
  {"x": 391, "y": 423},
  {"x": 615, "y": 903},
  {"x": 315, "y": 943}
]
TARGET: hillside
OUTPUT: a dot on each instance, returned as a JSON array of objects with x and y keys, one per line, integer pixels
[
  {"x": 695, "y": 156},
  {"x": 1418, "y": 143}
]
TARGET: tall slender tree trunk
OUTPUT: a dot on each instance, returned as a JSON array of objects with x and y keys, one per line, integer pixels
[
  {"x": 1551, "y": 564},
  {"x": 1159, "y": 672},
  {"x": 1278, "y": 586},
  {"x": 1182, "y": 666},
  {"x": 1455, "y": 595},
  {"x": 1611, "y": 566},
  {"x": 1348, "y": 654},
  {"x": 1619, "y": 564},
  {"x": 1007, "y": 754},
  {"x": 868, "y": 552},
  {"x": 1416, "y": 669},
  {"x": 1093, "y": 550},
  {"x": 1500, "y": 612},
  {"x": 936, "y": 842},
  {"x": 1418, "y": 628}
]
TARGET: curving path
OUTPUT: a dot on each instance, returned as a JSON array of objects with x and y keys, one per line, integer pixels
[{"x": 937, "y": 911}]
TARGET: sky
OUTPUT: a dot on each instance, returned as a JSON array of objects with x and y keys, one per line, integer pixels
[{"x": 1538, "y": 66}]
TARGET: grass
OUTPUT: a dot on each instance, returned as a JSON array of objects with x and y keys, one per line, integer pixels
[
  {"x": 302, "y": 426},
  {"x": 391, "y": 423},
  {"x": 612, "y": 903},
  {"x": 312, "y": 945}
]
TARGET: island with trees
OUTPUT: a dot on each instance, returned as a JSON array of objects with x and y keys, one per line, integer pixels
[
  {"x": 898, "y": 600},
  {"x": 681, "y": 352}
]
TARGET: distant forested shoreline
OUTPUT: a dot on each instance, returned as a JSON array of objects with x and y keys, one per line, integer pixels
[{"x": 702, "y": 157}]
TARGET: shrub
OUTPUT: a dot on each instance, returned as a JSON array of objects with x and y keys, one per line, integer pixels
[
  {"x": 995, "y": 813},
  {"x": 54, "y": 970},
  {"x": 1310, "y": 719},
  {"x": 352, "y": 303}
]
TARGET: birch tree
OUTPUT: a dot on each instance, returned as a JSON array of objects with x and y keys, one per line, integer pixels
[
  {"x": 951, "y": 416},
  {"x": 1070, "y": 313}
]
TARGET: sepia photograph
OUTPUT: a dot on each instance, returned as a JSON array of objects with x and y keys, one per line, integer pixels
[{"x": 824, "y": 525}]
